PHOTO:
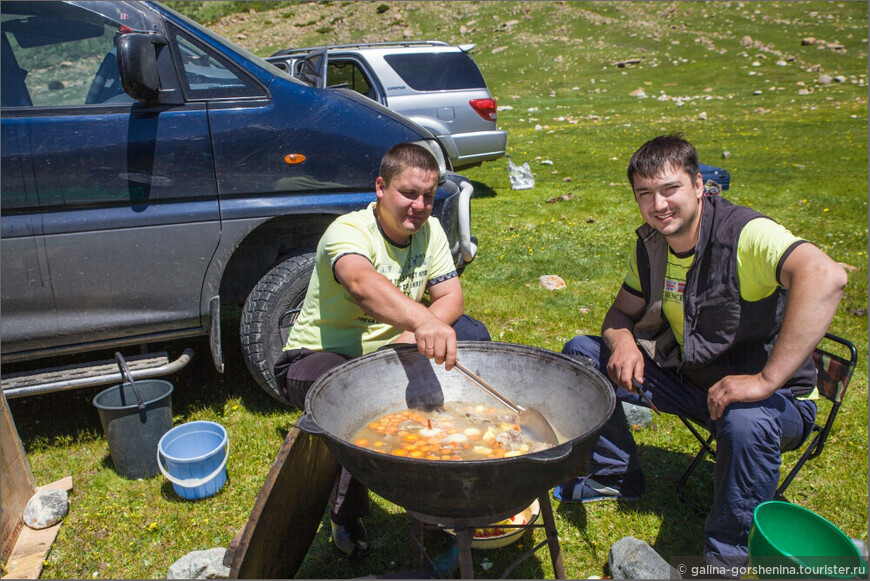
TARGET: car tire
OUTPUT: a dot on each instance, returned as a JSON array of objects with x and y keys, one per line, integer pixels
[{"x": 268, "y": 315}]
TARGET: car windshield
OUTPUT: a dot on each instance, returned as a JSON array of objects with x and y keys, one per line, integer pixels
[{"x": 437, "y": 71}]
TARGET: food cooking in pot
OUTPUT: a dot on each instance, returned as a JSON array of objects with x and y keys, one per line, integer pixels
[
  {"x": 496, "y": 530},
  {"x": 455, "y": 431}
]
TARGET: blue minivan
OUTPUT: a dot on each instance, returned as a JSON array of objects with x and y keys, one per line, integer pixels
[{"x": 153, "y": 172}]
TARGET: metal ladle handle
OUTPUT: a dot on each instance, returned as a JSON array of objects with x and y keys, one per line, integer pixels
[
  {"x": 125, "y": 374},
  {"x": 488, "y": 388}
]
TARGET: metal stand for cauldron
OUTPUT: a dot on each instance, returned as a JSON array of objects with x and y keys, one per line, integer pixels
[{"x": 464, "y": 530}]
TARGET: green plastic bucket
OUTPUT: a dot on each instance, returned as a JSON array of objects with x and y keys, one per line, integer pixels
[{"x": 788, "y": 541}]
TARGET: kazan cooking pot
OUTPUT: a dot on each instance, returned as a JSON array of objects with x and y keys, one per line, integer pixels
[{"x": 575, "y": 398}]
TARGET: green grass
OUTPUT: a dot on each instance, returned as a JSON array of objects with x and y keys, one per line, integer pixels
[{"x": 802, "y": 159}]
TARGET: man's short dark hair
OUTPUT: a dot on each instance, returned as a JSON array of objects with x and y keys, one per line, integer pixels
[
  {"x": 404, "y": 155},
  {"x": 664, "y": 151}
]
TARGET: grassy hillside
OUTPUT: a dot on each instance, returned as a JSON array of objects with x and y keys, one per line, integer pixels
[{"x": 776, "y": 92}]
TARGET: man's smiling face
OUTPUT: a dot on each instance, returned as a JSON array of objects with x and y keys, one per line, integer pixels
[
  {"x": 406, "y": 202},
  {"x": 670, "y": 202}
]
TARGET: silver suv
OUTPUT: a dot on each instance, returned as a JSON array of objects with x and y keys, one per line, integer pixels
[{"x": 434, "y": 84}]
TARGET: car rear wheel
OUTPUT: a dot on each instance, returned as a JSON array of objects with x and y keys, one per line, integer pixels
[{"x": 269, "y": 312}]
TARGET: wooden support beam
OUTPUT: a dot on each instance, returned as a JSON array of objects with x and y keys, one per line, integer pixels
[
  {"x": 287, "y": 511},
  {"x": 16, "y": 481}
]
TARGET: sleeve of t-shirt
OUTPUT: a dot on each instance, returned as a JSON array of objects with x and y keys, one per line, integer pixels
[
  {"x": 343, "y": 238},
  {"x": 441, "y": 265},
  {"x": 631, "y": 282},
  {"x": 762, "y": 248}
]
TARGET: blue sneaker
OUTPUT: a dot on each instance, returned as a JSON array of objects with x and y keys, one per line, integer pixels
[{"x": 586, "y": 489}]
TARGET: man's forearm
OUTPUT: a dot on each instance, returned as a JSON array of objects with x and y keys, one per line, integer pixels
[
  {"x": 617, "y": 328},
  {"x": 381, "y": 300},
  {"x": 811, "y": 305},
  {"x": 448, "y": 308}
]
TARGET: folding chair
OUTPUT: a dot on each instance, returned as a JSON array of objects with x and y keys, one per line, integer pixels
[{"x": 832, "y": 377}]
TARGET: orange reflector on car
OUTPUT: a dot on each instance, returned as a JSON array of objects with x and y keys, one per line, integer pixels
[{"x": 294, "y": 158}]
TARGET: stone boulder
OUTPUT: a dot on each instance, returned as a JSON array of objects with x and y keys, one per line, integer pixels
[
  {"x": 208, "y": 564},
  {"x": 631, "y": 558},
  {"x": 46, "y": 508},
  {"x": 637, "y": 416}
]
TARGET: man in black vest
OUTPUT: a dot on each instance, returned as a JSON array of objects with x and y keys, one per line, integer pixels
[{"x": 716, "y": 320}]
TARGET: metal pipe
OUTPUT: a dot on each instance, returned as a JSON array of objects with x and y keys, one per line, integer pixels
[
  {"x": 106, "y": 379},
  {"x": 467, "y": 247}
]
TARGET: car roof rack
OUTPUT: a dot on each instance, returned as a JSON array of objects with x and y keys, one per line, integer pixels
[{"x": 289, "y": 51}]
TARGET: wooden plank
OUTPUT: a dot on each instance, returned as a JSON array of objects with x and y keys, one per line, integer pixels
[
  {"x": 31, "y": 549},
  {"x": 62, "y": 484},
  {"x": 287, "y": 511},
  {"x": 16, "y": 481},
  {"x": 32, "y": 546}
]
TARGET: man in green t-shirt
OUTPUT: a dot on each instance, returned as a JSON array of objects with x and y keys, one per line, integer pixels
[
  {"x": 716, "y": 321},
  {"x": 372, "y": 270}
]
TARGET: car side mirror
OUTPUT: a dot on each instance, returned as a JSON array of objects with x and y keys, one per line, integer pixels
[
  {"x": 313, "y": 70},
  {"x": 138, "y": 65}
]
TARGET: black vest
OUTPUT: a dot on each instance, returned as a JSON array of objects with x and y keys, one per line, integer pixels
[{"x": 723, "y": 334}]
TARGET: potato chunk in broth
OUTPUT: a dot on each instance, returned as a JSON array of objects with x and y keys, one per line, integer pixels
[{"x": 455, "y": 431}]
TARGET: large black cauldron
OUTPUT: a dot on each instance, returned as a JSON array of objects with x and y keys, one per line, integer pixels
[{"x": 575, "y": 398}]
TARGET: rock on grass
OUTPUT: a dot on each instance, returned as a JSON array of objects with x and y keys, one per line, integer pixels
[{"x": 46, "y": 508}]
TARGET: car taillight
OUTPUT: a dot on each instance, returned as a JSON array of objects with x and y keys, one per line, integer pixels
[{"x": 485, "y": 108}]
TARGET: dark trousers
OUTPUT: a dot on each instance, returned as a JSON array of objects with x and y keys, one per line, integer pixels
[
  {"x": 297, "y": 371},
  {"x": 749, "y": 439}
]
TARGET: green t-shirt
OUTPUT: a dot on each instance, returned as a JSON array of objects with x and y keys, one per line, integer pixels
[
  {"x": 330, "y": 320},
  {"x": 760, "y": 248}
]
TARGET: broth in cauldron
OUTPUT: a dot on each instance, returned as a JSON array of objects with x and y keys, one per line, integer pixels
[{"x": 454, "y": 431}]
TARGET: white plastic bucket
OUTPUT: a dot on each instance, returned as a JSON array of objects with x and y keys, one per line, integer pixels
[{"x": 196, "y": 455}]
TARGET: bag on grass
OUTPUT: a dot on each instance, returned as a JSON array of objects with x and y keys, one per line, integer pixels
[{"x": 521, "y": 176}]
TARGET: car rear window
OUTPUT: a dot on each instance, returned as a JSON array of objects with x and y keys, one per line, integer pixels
[{"x": 437, "y": 71}]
